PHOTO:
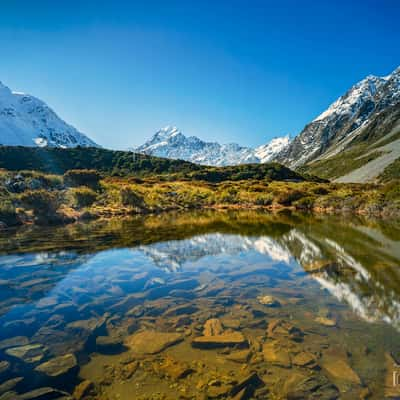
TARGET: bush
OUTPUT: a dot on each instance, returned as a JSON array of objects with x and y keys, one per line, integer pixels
[
  {"x": 41, "y": 202},
  {"x": 84, "y": 197},
  {"x": 286, "y": 198},
  {"x": 265, "y": 200},
  {"x": 320, "y": 190},
  {"x": 305, "y": 203},
  {"x": 8, "y": 213},
  {"x": 392, "y": 190},
  {"x": 82, "y": 177},
  {"x": 130, "y": 198}
]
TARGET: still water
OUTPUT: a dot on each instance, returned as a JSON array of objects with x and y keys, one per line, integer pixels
[{"x": 240, "y": 305}]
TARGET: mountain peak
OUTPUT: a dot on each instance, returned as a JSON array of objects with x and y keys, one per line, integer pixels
[
  {"x": 346, "y": 116},
  {"x": 28, "y": 121},
  {"x": 170, "y": 142}
]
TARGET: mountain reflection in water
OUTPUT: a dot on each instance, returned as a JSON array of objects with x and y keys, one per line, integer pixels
[{"x": 81, "y": 291}]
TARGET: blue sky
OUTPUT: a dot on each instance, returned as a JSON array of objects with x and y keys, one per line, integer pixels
[{"x": 230, "y": 71}]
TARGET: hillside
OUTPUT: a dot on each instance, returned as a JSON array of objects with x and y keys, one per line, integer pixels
[
  {"x": 123, "y": 163},
  {"x": 369, "y": 153},
  {"x": 356, "y": 138}
]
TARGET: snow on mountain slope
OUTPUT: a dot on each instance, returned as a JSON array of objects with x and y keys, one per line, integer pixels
[
  {"x": 171, "y": 143},
  {"x": 267, "y": 152},
  {"x": 353, "y": 110},
  {"x": 27, "y": 121}
]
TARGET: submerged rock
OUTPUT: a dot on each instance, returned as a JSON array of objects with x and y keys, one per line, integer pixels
[
  {"x": 339, "y": 369},
  {"x": 280, "y": 328},
  {"x": 305, "y": 359},
  {"x": 213, "y": 327},
  {"x": 30, "y": 353},
  {"x": 83, "y": 389},
  {"x": 326, "y": 321},
  {"x": 45, "y": 393},
  {"x": 300, "y": 386},
  {"x": 276, "y": 355},
  {"x": 10, "y": 384},
  {"x": 246, "y": 386},
  {"x": 174, "y": 369},
  {"x": 241, "y": 356},
  {"x": 58, "y": 365},
  {"x": 10, "y": 396},
  {"x": 269, "y": 301},
  {"x": 226, "y": 339},
  {"x": 90, "y": 324},
  {"x": 4, "y": 366},
  {"x": 14, "y": 342},
  {"x": 108, "y": 343},
  {"x": 152, "y": 342}
]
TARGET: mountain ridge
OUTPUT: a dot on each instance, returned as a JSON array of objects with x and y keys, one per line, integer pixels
[
  {"x": 170, "y": 142},
  {"x": 28, "y": 121},
  {"x": 349, "y": 125}
]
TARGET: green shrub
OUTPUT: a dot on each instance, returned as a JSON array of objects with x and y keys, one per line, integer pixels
[
  {"x": 305, "y": 203},
  {"x": 83, "y": 197},
  {"x": 320, "y": 190},
  {"x": 392, "y": 190},
  {"x": 41, "y": 202},
  {"x": 286, "y": 198},
  {"x": 82, "y": 177},
  {"x": 8, "y": 213},
  {"x": 130, "y": 198},
  {"x": 265, "y": 200}
]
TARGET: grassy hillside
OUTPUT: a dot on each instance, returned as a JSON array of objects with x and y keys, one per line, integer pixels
[
  {"x": 125, "y": 163},
  {"x": 392, "y": 171},
  {"x": 365, "y": 154}
]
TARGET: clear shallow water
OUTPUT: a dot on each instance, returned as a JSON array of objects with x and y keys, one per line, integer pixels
[{"x": 206, "y": 305}]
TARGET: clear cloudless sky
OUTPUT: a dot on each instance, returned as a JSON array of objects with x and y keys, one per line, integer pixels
[{"x": 225, "y": 70}]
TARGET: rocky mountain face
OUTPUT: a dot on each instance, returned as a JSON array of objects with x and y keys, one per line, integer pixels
[
  {"x": 351, "y": 120},
  {"x": 27, "y": 121},
  {"x": 171, "y": 143}
]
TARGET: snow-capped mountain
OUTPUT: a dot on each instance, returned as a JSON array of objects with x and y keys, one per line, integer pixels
[
  {"x": 351, "y": 112},
  {"x": 171, "y": 143},
  {"x": 267, "y": 152},
  {"x": 27, "y": 121}
]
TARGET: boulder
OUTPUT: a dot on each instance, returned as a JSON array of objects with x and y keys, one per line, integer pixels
[
  {"x": 30, "y": 353},
  {"x": 83, "y": 389},
  {"x": 108, "y": 344},
  {"x": 175, "y": 369},
  {"x": 280, "y": 328},
  {"x": 10, "y": 384},
  {"x": 14, "y": 342},
  {"x": 269, "y": 301},
  {"x": 241, "y": 356},
  {"x": 58, "y": 366},
  {"x": 152, "y": 342},
  {"x": 246, "y": 386},
  {"x": 4, "y": 366},
  {"x": 305, "y": 359},
  {"x": 339, "y": 370},
  {"x": 276, "y": 355},
  {"x": 330, "y": 322},
  {"x": 45, "y": 393},
  {"x": 300, "y": 386},
  {"x": 223, "y": 340},
  {"x": 213, "y": 327}
]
